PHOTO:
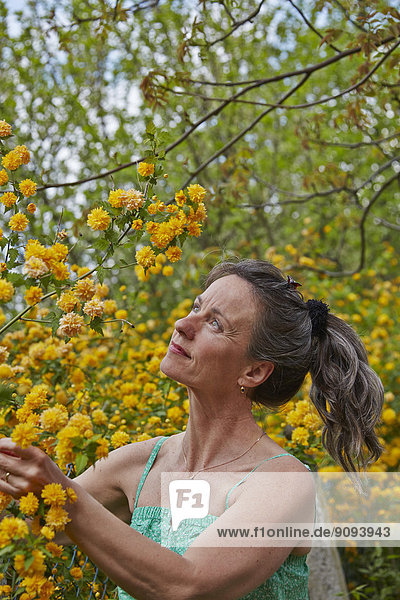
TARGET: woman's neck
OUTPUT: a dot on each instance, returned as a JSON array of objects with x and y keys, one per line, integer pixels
[{"x": 217, "y": 431}]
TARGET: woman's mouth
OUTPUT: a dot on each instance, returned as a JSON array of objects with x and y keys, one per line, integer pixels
[{"x": 177, "y": 349}]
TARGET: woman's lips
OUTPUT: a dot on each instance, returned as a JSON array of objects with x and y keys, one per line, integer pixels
[{"x": 177, "y": 349}]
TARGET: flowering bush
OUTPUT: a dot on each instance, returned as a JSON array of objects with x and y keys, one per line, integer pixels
[
  {"x": 60, "y": 344},
  {"x": 69, "y": 388}
]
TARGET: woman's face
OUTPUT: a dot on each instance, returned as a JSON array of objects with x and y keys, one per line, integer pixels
[{"x": 208, "y": 349}]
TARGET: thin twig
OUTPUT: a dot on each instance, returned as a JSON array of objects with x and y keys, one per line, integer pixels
[
  {"x": 311, "y": 26},
  {"x": 242, "y": 132}
]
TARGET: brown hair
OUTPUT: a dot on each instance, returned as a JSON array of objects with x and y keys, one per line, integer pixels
[{"x": 346, "y": 392}]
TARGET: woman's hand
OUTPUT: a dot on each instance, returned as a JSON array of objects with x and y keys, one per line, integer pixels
[{"x": 26, "y": 470}]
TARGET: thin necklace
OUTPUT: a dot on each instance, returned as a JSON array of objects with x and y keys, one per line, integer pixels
[{"x": 223, "y": 463}]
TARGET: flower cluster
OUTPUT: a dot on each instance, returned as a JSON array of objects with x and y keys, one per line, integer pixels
[{"x": 29, "y": 548}]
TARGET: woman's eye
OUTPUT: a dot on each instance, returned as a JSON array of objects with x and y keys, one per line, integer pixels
[
  {"x": 215, "y": 324},
  {"x": 195, "y": 308}
]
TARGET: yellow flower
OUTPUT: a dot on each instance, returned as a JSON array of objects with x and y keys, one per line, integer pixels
[
  {"x": 196, "y": 192},
  {"x": 76, "y": 572},
  {"x": 54, "y": 418},
  {"x": 6, "y": 290},
  {"x": 71, "y": 324},
  {"x": 145, "y": 257},
  {"x": 167, "y": 271},
  {"x": 3, "y": 265},
  {"x": 33, "y": 295},
  {"x": 300, "y": 435},
  {"x": 152, "y": 209},
  {"x": 8, "y": 199},
  {"x": 5, "y": 128},
  {"x": 201, "y": 213},
  {"x": 54, "y": 494},
  {"x": 102, "y": 290},
  {"x": 132, "y": 199},
  {"x": 5, "y": 500},
  {"x": 24, "y": 434},
  {"x": 389, "y": 416},
  {"x": 23, "y": 153},
  {"x": 102, "y": 448},
  {"x": 31, "y": 208},
  {"x": 110, "y": 306},
  {"x": 11, "y": 161},
  {"x": 137, "y": 224},
  {"x": 3, "y": 177},
  {"x": 57, "y": 518},
  {"x": 28, "y": 187},
  {"x": 35, "y": 267},
  {"x": 173, "y": 253},
  {"x": 180, "y": 198},
  {"x": 18, "y": 222},
  {"x": 99, "y": 417},
  {"x": 13, "y": 527},
  {"x": 6, "y": 372},
  {"x": 85, "y": 289},
  {"x": 4, "y": 354},
  {"x": 145, "y": 169},
  {"x": 94, "y": 308},
  {"x": 60, "y": 271},
  {"x": 54, "y": 549},
  {"x": 29, "y": 504},
  {"x": 68, "y": 301},
  {"x": 119, "y": 438},
  {"x": 193, "y": 229},
  {"x": 115, "y": 198},
  {"x": 71, "y": 495},
  {"x": 121, "y": 314},
  {"x": 47, "y": 532},
  {"x": 98, "y": 219}
]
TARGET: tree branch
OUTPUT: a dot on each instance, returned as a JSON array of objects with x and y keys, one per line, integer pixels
[
  {"x": 235, "y": 26},
  {"x": 306, "y": 71},
  {"x": 311, "y": 26},
  {"x": 242, "y": 133},
  {"x": 387, "y": 224}
]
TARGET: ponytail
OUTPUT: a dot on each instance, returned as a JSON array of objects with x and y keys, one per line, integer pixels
[{"x": 347, "y": 394}]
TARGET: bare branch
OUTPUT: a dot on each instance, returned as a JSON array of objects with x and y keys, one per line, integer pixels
[
  {"x": 298, "y": 106},
  {"x": 306, "y": 71},
  {"x": 365, "y": 213},
  {"x": 235, "y": 26},
  {"x": 347, "y": 15},
  {"x": 387, "y": 224},
  {"x": 311, "y": 26},
  {"x": 356, "y": 144},
  {"x": 243, "y": 132}
]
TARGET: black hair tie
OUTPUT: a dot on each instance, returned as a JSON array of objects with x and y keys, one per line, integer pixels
[{"x": 318, "y": 312}]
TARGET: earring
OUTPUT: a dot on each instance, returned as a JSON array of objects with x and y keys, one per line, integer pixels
[{"x": 242, "y": 389}]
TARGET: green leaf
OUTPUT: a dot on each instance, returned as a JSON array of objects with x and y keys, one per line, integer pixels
[
  {"x": 95, "y": 324},
  {"x": 150, "y": 128},
  {"x": 100, "y": 274},
  {"x": 80, "y": 463}
]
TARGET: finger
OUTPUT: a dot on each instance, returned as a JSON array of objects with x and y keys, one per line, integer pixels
[
  {"x": 7, "y": 446},
  {"x": 6, "y": 486}
]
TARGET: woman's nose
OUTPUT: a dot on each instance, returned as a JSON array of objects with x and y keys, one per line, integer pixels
[{"x": 186, "y": 327}]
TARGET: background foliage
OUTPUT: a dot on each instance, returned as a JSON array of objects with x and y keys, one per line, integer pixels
[{"x": 287, "y": 112}]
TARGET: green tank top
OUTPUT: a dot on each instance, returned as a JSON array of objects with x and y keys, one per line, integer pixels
[{"x": 289, "y": 582}]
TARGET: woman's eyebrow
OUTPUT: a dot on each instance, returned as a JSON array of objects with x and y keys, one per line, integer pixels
[{"x": 214, "y": 310}]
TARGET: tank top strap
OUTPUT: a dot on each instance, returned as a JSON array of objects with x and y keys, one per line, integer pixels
[
  {"x": 148, "y": 466},
  {"x": 252, "y": 471}
]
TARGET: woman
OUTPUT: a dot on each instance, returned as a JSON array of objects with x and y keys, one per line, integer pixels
[{"x": 249, "y": 337}]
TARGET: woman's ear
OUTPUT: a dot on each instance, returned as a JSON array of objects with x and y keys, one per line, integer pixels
[{"x": 254, "y": 375}]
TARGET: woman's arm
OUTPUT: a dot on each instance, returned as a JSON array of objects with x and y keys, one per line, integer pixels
[{"x": 141, "y": 566}]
